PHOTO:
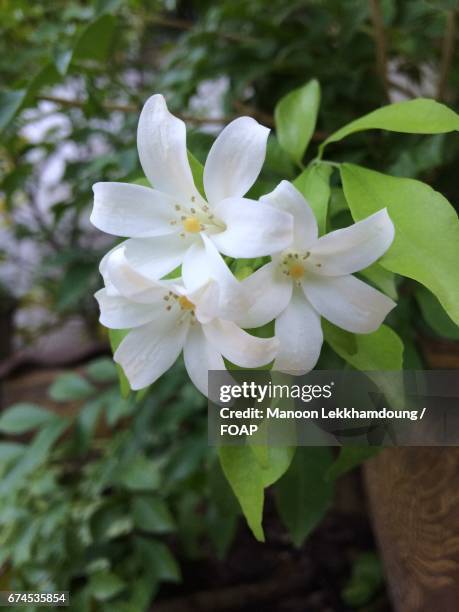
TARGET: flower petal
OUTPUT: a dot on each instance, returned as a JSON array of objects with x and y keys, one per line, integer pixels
[
  {"x": 347, "y": 302},
  {"x": 300, "y": 336},
  {"x": 104, "y": 271},
  {"x": 238, "y": 346},
  {"x": 286, "y": 197},
  {"x": 203, "y": 262},
  {"x": 129, "y": 283},
  {"x": 148, "y": 351},
  {"x": 200, "y": 357},
  {"x": 353, "y": 248},
  {"x": 161, "y": 141},
  {"x": 235, "y": 159},
  {"x": 269, "y": 292},
  {"x": 252, "y": 229},
  {"x": 156, "y": 257},
  {"x": 117, "y": 312},
  {"x": 124, "y": 209}
]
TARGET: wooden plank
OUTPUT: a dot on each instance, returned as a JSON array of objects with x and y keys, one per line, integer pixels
[{"x": 414, "y": 498}]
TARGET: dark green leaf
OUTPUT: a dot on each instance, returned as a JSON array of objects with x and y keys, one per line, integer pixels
[
  {"x": 70, "y": 387},
  {"x": 139, "y": 474},
  {"x": 105, "y": 585},
  {"x": 303, "y": 495},
  {"x": 349, "y": 458},
  {"x": 151, "y": 514},
  {"x": 19, "y": 418},
  {"x": 10, "y": 103}
]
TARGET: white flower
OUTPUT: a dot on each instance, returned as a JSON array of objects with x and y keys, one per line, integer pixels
[
  {"x": 164, "y": 222},
  {"x": 194, "y": 314},
  {"x": 313, "y": 278}
]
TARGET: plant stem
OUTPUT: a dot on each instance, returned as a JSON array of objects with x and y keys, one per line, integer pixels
[
  {"x": 380, "y": 44},
  {"x": 447, "y": 53}
]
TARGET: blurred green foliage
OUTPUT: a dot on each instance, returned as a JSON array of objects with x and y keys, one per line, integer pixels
[
  {"x": 100, "y": 502},
  {"x": 94, "y": 503}
]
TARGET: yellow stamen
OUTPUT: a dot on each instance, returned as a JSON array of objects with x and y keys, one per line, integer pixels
[
  {"x": 192, "y": 225},
  {"x": 185, "y": 303},
  {"x": 296, "y": 271}
]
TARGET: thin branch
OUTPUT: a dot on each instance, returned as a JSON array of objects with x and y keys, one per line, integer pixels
[
  {"x": 182, "y": 24},
  {"x": 132, "y": 108},
  {"x": 379, "y": 35},
  {"x": 447, "y": 53}
]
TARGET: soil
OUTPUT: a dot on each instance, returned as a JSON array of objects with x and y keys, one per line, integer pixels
[{"x": 275, "y": 576}]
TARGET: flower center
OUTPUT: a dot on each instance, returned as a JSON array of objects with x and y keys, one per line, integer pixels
[
  {"x": 296, "y": 270},
  {"x": 185, "y": 303},
  {"x": 293, "y": 264},
  {"x": 192, "y": 225}
]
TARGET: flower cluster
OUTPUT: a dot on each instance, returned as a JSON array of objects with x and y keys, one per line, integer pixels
[{"x": 204, "y": 310}]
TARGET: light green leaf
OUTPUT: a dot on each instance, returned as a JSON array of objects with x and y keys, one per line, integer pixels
[
  {"x": 381, "y": 278},
  {"x": 19, "y": 418},
  {"x": 314, "y": 184},
  {"x": 435, "y": 316},
  {"x": 302, "y": 494},
  {"x": 380, "y": 350},
  {"x": 10, "y": 103},
  {"x": 295, "y": 117},
  {"x": 426, "y": 244},
  {"x": 349, "y": 458},
  {"x": 105, "y": 585},
  {"x": 70, "y": 387},
  {"x": 151, "y": 514},
  {"x": 420, "y": 116}
]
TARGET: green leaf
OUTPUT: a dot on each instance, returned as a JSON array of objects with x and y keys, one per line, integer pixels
[
  {"x": 10, "y": 103},
  {"x": 420, "y": 116},
  {"x": 197, "y": 169},
  {"x": 10, "y": 451},
  {"x": 105, "y": 585},
  {"x": 381, "y": 278},
  {"x": 35, "y": 455},
  {"x": 115, "y": 336},
  {"x": 349, "y": 458},
  {"x": 19, "y": 418},
  {"x": 380, "y": 350},
  {"x": 435, "y": 316},
  {"x": 70, "y": 387},
  {"x": 303, "y": 495},
  {"x": 366, "y": 580},
  {"x": 426, "y": 243},
  {"x": 295, "y": 117},
  {"x": 151, "y": 514},
  {"x": 248, "y": 478},
  {"x": 243, "y": 472},
  {"x": 314, "y": 184},
  {"x": 139, "y": 474},
  {"x": 158, "y": 559},
  {"x": 94, "y": 43},
  {"x": 102, "y": 370}
]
